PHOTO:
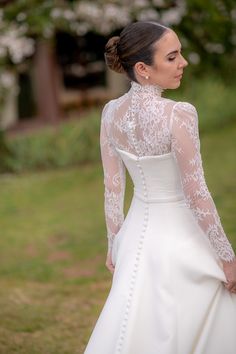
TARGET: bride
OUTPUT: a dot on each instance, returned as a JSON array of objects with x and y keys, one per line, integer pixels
[{"x": 174, "y": 270}]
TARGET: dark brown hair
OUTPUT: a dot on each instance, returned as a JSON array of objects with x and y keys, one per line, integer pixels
[{"x": 135, "y": 43}]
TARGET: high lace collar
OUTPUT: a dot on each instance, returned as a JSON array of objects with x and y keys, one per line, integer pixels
[{"x": 148, "y": 88}]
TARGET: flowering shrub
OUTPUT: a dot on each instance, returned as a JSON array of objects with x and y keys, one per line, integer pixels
[
  {"x": 207, "y": 29},
  {"x": 6, "y": 83},
  {"x": 23, "y": 21},
  {"x": 15, "y": 46}
]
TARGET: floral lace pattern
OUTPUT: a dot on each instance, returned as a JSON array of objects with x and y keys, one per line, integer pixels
[
  {"x": 160, "y": 126},
  {"x": 186, "y": 149},
  {"x": 114, "y": 181}
]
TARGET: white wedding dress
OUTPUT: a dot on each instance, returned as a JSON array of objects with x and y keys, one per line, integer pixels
[{"x": 167, "y": 294}]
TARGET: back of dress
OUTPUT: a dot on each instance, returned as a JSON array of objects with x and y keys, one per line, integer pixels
[
  {"x": 138, "y": 122},
  {"x": 144, "y": 123}
]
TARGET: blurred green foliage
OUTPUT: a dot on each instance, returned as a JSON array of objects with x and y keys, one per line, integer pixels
[
  {"x": 6, "y": 154},
  {"x": 69, "y": 143},
  {"x": 77, "y": 141},
  {"x": 36, "y": 14},
  {"x": 209, "y": 29},
  {"x": 213, "y": 97}
]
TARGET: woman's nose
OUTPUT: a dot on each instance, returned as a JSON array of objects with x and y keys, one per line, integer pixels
[{"x": 183, "y": 62}]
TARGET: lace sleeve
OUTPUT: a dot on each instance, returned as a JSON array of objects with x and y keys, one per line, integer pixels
[
  {"x": 114, "y": 183},
  {"x": 186, "y": 149}
]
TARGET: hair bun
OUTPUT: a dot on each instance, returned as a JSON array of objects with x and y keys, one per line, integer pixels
[{"x": 111, "y": 55}]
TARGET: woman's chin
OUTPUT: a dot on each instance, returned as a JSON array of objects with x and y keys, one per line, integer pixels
[
  {"x": 178, "y": 84},
  {"x": 174, "y": 85}
]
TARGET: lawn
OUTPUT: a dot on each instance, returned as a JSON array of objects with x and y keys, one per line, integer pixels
[{"x": 53, "y": 281}]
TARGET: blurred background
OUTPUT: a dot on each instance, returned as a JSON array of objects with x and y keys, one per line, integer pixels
[{"x": 53, "y": 85}]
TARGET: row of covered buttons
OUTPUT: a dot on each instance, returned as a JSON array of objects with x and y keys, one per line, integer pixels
[{"x": 136, "y": 264}]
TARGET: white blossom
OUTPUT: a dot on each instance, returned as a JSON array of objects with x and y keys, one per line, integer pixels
[
  {"x": 184, "y": 41},
  {"x": 90, "y": 11},
  {"x": 23, "y": 28},
  {"x": 113, "y": 16},
  {"x": 6, "y": 79},
  {"x": 233, "y": 14},
  {"x": 80, "y": 28},
  {"x": 194, "y": 58},
  {"x": 68, "y": 15},
  {"x": 56, "y": 13},
  {"x": 159, "y": 3},
  {"x": 148, "y": 14},
  {"x": 21, "y": 16},
  {"x": 3, "y": 52},
  {"x": 139, "y": 4},
  {"x": 172, "y": 16},
  {"x": 16, "y": 44},
  {"x": 48, "y": 32},
  {"x": 233, "y": 39},
  {"x": 215, "y": 48}
]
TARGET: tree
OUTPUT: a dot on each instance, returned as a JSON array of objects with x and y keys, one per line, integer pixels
[
  {"x": 207, "y": 29},
  {"x": 25, "y": 23},
  {"x": 209, "y": 32}
]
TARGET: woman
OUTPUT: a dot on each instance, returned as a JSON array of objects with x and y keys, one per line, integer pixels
[{"x": 174, "y": 270}]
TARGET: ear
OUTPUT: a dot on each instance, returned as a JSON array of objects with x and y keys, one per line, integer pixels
[{"x": 141, "y": 69}]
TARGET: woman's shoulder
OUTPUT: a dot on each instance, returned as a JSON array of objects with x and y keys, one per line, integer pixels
[
  {"x": 112, "y": 104},
  {"x": 177, "y": 105},
  {"x": 107, "y": 107},
  {"x": 182, "y": 112},
  {"x": 109, "y": 103},
  {"x": 183, "y": 106}
]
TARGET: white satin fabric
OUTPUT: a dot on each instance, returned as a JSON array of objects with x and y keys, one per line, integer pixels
[{"x": 167, "y": 295}]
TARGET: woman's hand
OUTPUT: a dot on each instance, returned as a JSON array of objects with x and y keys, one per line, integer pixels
[
  {"x": 229, "y": 269},
  {"x": 109, "y": 264}
]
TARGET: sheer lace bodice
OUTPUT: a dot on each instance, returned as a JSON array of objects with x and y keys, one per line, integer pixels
[{"x": 144, "y": 123}]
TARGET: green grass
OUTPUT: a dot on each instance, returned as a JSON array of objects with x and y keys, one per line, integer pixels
[{"x": 53, "y": 280}]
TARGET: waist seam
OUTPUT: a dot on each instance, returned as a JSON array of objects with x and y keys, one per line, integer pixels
[{"x": 159, "y": 200}]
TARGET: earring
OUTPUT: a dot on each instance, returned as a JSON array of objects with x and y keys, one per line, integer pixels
[{"x": 146, "y": 77}]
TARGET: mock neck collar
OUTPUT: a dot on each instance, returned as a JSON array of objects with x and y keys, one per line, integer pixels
[{"x": 148, "y": 88}]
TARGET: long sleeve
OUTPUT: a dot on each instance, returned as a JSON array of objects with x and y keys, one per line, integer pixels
[
  {"x": 114, "y": 184},
  {"x": 186, "y": 149}
]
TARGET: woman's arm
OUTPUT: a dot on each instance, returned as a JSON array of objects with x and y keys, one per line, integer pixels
[
  {"x": 186, "y": 149},
  {"x": 114, "y": 183}
]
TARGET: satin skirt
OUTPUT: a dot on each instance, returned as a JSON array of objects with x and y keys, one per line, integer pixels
[{"x": 167, "y": 294}]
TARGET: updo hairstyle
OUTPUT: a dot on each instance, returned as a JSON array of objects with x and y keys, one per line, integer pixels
[{"x": 135, "y": 43}]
